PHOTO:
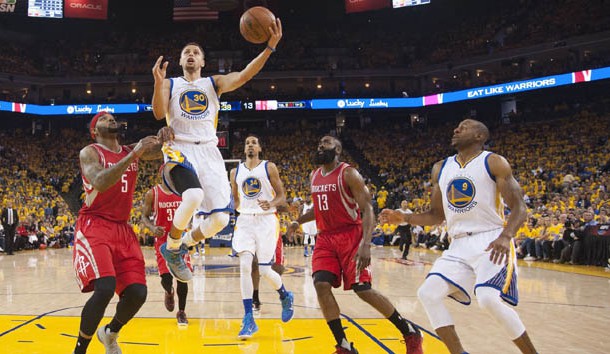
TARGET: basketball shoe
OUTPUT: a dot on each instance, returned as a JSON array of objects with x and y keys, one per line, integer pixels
[
  {"x": 413, "y": 341},
  {"x": 175, "y": 262},
  {"x": 108, "y": 339},
  {"x": 248, "y": 327},
  {"x": 341, "y": 350},
  {"x": 181, "y": 318},
  {"x": 287, "y": 308}
]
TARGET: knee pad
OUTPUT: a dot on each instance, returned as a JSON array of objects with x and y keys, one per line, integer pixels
[
  {"x": 103, "y": 289},
  {"x": 219, "y": 220},
  {"x": 429, "y": 292},
  {"x": 135, "y": 293},
  {"x": 361, "y": 287},
  {"x": 245, "y": 263}
]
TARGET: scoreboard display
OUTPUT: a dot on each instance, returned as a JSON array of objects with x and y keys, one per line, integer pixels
[
  {"x": 404, "y": 3},
  {"x": 46, "y": 8}
]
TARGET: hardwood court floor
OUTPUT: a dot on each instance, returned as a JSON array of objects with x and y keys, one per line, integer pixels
[{"x": 564, "y": 311}]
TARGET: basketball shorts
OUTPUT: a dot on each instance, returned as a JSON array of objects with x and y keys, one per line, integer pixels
[
  {"x": 466, "y": 266},
  {"x": 309, "y": 239},
  {"x": 105, "y": 248},
  {"x": 257, "y": 234},
  {"x": 161, "y": 263},
  {"x": 207, "y": 163},
  {"x": 335, "y": 252},
  {"x": 279, "y": 251}
]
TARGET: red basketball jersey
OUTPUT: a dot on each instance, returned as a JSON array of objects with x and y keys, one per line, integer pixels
[
  {"x": 115, "y": 203},
  {"x": 164, "y": 209},
  {"x": 334, "y": 206}
]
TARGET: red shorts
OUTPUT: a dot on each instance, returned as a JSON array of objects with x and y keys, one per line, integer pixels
[
  {"x": 335, "y": 252},
  {"x": 161, "y": 264},
  {"x": 279, "y": 251},
  {"x": 105, "y": 248}
]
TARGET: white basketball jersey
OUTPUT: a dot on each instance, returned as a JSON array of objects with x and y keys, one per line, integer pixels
[
  {"x": 253, "y": 184},
  {"x": 193, "y": 110},
  {"x": 309, "y": 227},
  {"x": 471, "y": 200}
]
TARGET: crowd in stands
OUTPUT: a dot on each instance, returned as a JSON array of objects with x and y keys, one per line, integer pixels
[
  {"x": 342, "y": 46},
  {"x": 34, "y": 173}
]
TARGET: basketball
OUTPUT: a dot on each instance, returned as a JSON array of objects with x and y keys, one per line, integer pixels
[
  {"x": 254, "y": 24},
  {"x": 43, "y": 246}
]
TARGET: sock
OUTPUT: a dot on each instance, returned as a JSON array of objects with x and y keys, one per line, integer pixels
[
  {"x": 403, "y": 326},
  {"x": 114, "y": 325},
  {"x": 255, "y": 298},
  {"x": 173, "y": 244},
  {"x": 81, "y": 345},
  {"x": 248, "y": 306},
  {"x": 282, "y": 291},
  {"x": 337, "y": 329},
  {"x": 187, "y": 239}
]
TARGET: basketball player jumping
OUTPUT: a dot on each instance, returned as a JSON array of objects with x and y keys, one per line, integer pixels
[
  {"x": 194, "y": 166},
  {"x": 343, "y": 244},
  {"x": 107, "y": 257},
  {"x": 467, "y": 191},
  {"x": 157, "y": 214},
  {"x": 257, "y": 192}
]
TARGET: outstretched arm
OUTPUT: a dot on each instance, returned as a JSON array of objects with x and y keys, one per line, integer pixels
[
  {"x": 160, "y": 99},
  {"x": 434, "y": 216},
  {"x": 235, "y": 80}
]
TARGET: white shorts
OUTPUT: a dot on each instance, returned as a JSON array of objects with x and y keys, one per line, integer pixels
[
  {"x": 257, "y": 234},
  {"x": 208, "y": 164},
  {"x": 466, "y": 266},
  {"x": 309, "y": 239}
]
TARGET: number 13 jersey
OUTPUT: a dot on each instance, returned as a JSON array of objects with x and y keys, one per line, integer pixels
[{"x": 334, "y": 206}]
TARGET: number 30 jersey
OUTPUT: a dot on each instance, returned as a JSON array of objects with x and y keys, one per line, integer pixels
[{"x": 334, "y": 206}]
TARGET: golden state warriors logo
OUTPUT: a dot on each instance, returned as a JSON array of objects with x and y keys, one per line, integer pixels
[
  {"x": 193, "y": 102},
  {"x": 251, "y": 187},
  {"x": 460, "y": 194}
]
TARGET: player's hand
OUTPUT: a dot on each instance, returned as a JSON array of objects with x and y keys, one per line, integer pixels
[
  {"x": 166, "y": 134},
  {"x": 390, "y": 216},
  {"x": 158, "y": 231},
  {"x": 500, "y": 249},
  {"x": 159, "y": 70},
  {"x": 146, "y": 144},
  {"x": 276, "y": 33},
  {"x": 363, "y": 256},
  {"x": 264, "y": 204}
]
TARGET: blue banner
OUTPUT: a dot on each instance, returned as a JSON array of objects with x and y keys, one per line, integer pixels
[{"x": 337, "y": 103}]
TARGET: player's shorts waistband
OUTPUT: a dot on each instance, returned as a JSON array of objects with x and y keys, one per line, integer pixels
[
  {"x": 468, "y": 234},
  {"x": 194, "y": 142},
  {"x": 258, "y": 214}
]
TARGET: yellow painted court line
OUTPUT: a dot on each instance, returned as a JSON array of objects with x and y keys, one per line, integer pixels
[{"x": 51, "y": 335}]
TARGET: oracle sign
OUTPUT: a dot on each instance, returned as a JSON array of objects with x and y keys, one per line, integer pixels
[
  {"x": 365, "y": 5},
  {"x": 93, "y": 9}
]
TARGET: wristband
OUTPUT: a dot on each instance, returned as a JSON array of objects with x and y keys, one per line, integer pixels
[{"x": 271, "y": 49}]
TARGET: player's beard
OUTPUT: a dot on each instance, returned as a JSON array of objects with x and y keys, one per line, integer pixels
[
  {"x": 109, "y": 130},
  {"x": 325, "y": 156}
]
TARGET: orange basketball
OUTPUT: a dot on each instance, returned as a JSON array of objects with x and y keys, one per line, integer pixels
[
  {"x": 254, "y": 24},
  {"x": 43, "y": 246}
]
